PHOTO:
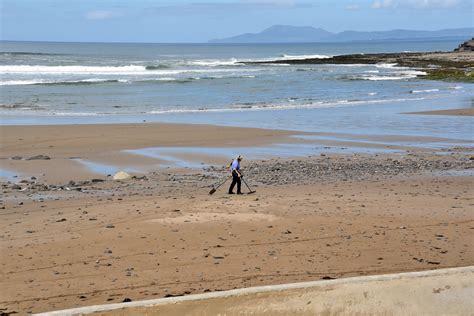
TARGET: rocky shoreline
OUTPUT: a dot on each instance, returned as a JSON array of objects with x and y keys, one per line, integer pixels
[
  {"x": 272, "y": 172},
  {"x": 454, "y": 66}
]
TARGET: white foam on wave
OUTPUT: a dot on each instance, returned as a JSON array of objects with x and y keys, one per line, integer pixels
[
  {"x": 424, "y": 91},
  {"x": 43, "y": 81},
  {"x": 241, "y": 62},
  {"x": 286, "y": 106},
  {"x": 388, "y": 66},
  {"x": 396, "y": 75},
  {"x": 59, "y": 80},
  {"x": 383, "y": 78},
  {"x": 413, "y": 73},
  {"x": 215, "y": 62},
  {"x": 237, "y": 108},
  {"x": 301, "y": 57},
  {"x": 20, "y": 82},
  {"x": 37, "y": 69},
  {"x": 103, "y": 70},
  {"x": 76, "y": 114}
]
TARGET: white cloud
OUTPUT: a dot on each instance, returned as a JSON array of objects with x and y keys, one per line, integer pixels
[
  {"x": 383, "y": 4},
  {"x": 101, "y": 15},
  {"x": 416, "y": 4}
]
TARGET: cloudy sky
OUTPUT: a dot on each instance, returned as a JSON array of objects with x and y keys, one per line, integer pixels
[{"x": 201, "y": 20}]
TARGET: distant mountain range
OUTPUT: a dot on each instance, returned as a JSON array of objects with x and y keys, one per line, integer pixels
[{"x": 309, "y": 34}]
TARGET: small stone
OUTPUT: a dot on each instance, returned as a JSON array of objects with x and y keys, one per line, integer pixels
[{"x": 110, "y": 226}]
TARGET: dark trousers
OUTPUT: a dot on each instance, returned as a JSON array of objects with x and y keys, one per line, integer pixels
[{"x": 235, "y": 180}]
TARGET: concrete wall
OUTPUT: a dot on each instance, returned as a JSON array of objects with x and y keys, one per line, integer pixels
[{"x": 436, "y": 292}]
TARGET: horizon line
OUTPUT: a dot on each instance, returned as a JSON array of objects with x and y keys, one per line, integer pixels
[{"x": 210, "y": 42}]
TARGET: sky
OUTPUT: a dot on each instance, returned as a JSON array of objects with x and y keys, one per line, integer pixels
[{"x": 191, "y": 21}]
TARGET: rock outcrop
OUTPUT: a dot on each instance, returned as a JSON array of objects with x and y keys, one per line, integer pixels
[{"x": 467, "y": 46}]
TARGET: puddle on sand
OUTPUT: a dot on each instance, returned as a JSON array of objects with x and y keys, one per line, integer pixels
[
  {"x": 455, "y": 173},
  {"x": 172, "y": 154},
  {"x": 432, "y": 145},
  {"x": 103, "y": 169},
  {"x": 7, "y": 175},
  {"x": 168, "y": 154}
]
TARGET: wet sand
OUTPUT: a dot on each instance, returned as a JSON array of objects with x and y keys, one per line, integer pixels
[
  {"x": 106, "y": 143},
  {"x": 70, "y": 243},
  {"x": 455, "y": 112},
  {"x": 61, "y": 153}
]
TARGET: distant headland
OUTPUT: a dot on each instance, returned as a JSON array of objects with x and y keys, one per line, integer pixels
[{"x": 309, "y": 34}]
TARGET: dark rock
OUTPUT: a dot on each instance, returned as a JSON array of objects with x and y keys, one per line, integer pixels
[
  {"x": 16, "y": 158},
  {"x": 127, "y": 300},
  {"x": 467, "y": 46},
  {"x": 39, "y": 157}
]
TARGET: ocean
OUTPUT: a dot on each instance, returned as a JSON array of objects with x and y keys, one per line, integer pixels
[{"x": 62, "y": 83}]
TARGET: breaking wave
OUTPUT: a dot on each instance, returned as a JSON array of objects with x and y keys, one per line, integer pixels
[
  {"x": 402, "y": 74},
  {"x": 261, "y": 106},
  {"x": 92, "y": 81},
  {"x": 66, "y": 82},
  {"x": 242, "y": 62}
]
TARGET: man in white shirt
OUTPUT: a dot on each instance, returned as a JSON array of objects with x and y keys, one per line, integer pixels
[{"x": 235, "y": 170}]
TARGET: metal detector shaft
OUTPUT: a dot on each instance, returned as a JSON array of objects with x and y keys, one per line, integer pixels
[
  {"x": 218, "y": 186},
  {"x": 251, "y": 191}
]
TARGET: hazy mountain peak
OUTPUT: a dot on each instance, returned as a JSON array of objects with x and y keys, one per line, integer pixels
[
  {"x": 293, "y": 34},
  {"x": 280, "y": 33}
]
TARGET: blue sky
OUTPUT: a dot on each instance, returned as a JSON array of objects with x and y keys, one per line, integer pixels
[{"x": 199, "y": 21}]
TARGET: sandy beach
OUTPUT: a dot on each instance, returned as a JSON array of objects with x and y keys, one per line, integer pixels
[{"x": 75, "y": 238}]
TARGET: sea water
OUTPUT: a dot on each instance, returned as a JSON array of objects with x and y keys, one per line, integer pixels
[{"x": 61, "y": 83}]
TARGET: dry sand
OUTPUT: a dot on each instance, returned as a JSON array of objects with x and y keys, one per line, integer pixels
[{"x": 154, "y": 237}]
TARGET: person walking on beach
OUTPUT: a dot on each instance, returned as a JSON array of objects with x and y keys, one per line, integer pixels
[{"x": 236, "y": 175}]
